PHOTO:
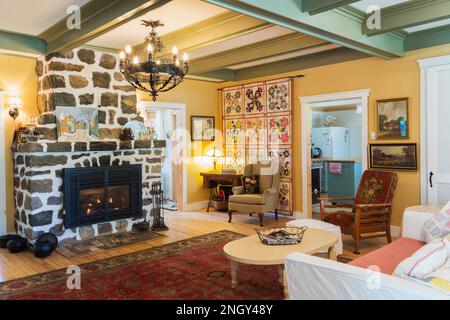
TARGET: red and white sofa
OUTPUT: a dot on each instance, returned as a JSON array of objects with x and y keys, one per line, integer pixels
[{"x": 311, "y": 277}]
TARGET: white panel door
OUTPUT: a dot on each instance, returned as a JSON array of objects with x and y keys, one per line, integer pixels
[{"x": 438, "y": 135}]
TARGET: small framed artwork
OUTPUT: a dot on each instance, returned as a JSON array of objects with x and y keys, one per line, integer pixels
[
  {"x": 202, "y": 128},
  {"x": 77, "y": 124},
  {"x": 392, "y": 115},
  {"x": 401, "y": 156}
]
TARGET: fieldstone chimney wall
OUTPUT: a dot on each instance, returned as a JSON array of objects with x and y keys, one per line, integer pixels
[
  {"x": 78, "y": 78},
  {"x": 84, "y": 78}
]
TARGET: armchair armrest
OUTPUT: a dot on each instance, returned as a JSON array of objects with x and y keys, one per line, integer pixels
[
  {"x": 374, "y": 205},
  {"x": 236, "y": 190},
  {"x": 414, "y": 219},
  {"x": 335, "y": 199},
  {"x": 269, "y": 192}
]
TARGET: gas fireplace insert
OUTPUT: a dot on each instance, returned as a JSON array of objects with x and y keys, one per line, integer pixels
[{"x": 99, "y": 194}]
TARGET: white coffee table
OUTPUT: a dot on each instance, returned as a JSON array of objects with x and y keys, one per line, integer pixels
[{"x": 250, "y": 250}]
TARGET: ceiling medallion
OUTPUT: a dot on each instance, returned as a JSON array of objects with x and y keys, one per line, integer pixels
[{"x": 160, "y": 72}]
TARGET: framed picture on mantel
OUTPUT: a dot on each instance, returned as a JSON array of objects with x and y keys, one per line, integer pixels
[
  {"x": 77, "y": 124},
  {"x": 202, "y": 128}
]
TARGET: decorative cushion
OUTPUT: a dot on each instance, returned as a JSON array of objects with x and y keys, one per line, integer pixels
[
  {"x": 427, "y": 259},
  {"x": 247, "y": 199},
  {"x": 250, "y": 184},
  {"x": 440, "y": 279},
  {"x": 437, "y": 226},
  {"x": 263, "y": 170},
  {"x": 388, "y": 257}
]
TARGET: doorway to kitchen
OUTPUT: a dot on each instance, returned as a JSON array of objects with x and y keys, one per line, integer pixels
[
  {"x": 335, "y": 138},
  {"x": 169, "y": 123}
]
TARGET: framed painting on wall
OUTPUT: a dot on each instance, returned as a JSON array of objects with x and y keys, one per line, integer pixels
[
  {"x": 202, "y": 128},
  {"x": 401, "y": 156},
  {"x": 392, "y": 115},
  {"x": 77, "y": 124}
]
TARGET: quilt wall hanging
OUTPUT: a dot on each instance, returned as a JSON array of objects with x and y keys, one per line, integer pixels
[{"x": 257, "y": 127}]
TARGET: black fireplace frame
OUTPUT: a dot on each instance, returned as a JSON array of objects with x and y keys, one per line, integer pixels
[{"x": 101, "y": 177}]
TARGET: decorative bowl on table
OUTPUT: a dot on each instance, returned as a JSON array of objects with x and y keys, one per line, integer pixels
[{"x": 281, "y": 236}]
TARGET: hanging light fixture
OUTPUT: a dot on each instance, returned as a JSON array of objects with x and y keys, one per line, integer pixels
[{"x": 160, "y": 72}]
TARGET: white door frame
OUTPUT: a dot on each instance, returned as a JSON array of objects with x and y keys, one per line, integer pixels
[
  {"x": 149, "y": 106},
  {"x": 3, "y": 221},
  {"x": 428, "y": 67},
  {"x": 358, "y": 97}
]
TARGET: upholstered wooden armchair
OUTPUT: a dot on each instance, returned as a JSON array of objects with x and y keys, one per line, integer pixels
[
  {"x": 265, "y": 201},
  {"x": 369, "y": 215}
]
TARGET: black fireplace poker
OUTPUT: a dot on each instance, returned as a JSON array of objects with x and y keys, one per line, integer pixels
[{"x": 157, "y": 211}]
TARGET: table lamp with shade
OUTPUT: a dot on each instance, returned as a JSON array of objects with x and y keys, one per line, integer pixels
[{"x": 215, "y": 154}]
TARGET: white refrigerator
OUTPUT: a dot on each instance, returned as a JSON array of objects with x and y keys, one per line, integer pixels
[{"x": 334, "y": 142}]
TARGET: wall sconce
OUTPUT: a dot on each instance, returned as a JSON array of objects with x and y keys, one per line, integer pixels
[{"x": 15, "y": 104}]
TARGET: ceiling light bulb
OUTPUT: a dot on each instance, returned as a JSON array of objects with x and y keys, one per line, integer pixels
[
  {"x": 150, "y": 48},
  {"x": 185, "y": 57},
  {"x": 128, "y": 49},
  {"x": 135, "y": 60},
  {"x": 122, "y": 55},
  {"x": 174, "y": 51}
]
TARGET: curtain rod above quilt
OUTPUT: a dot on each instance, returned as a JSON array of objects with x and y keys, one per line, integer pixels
[{"x": 299, "y": 76}]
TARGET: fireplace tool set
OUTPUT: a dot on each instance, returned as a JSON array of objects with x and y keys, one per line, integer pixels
[{"x": 157, "y": 212}]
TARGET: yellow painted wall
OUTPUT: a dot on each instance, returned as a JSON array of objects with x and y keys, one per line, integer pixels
[
  {"x": 386, "y": 79},
  {"x": 17, "y": 77},
  {"x": 202, "y": 100}
]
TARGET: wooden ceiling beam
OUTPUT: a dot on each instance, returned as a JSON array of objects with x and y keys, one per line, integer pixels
[
  {"x": 257, "y": 51},
  {"x": 409, "y": 14},
  {"x": 299, "y": 63},
  {"x": 319, "y": 6},
  {"x": 97, "y": 18},
  {"x": 428, "y": 38},
  {"x": 209, "y": 31},
  {"x": 337, "y": 26},
  {"x": 21, "y": 44}
]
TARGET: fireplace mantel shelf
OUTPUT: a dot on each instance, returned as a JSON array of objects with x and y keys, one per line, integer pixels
[{"x": 101, "y": 145}]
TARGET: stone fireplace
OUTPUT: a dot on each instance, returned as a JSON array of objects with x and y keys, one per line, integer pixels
[{"x": 118, "y": 174}]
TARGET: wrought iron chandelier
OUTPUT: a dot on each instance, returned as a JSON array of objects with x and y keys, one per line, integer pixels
[{"x": 161, "y": 72}]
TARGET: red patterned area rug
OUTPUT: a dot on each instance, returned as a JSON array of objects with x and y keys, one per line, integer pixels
[{"x": 190, "y": 269}]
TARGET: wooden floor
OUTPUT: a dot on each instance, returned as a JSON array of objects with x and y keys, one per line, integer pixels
[{"x": 182, "y": 226}]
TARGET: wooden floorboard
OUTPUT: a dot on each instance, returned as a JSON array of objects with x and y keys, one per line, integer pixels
[{"x": 183, "y": 225}]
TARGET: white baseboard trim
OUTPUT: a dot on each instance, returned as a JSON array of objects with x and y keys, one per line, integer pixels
[
  {"x": 195, "y": 205},
  {"x": 395, "y": 231}
]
